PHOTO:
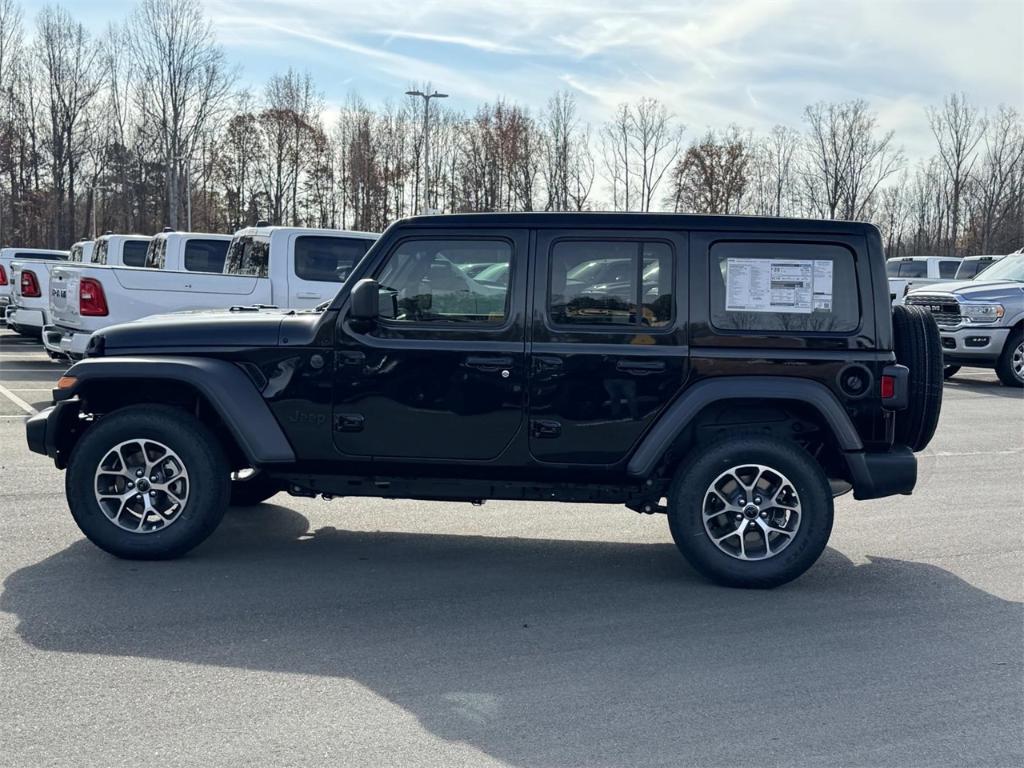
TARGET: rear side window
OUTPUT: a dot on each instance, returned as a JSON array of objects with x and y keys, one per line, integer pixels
[
  {"x": 611, "y": 283},
  {"x": 99, "y": 253},
  {"x": 205, "y": 255},
  {"x": 327, "y": 259},
  {"x": 156, "y": 254},
  {"x": 248, "y": 255},
  {"x": 783, "y": 287},
  {"x": 134, "y": 253},
  {"x": 947, "y": 269}
]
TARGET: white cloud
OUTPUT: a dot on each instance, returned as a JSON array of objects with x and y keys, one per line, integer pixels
[{"x": 752, "y": 62}]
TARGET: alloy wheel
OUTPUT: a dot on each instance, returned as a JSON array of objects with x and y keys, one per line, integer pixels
[{"x": 141, "y": 486}]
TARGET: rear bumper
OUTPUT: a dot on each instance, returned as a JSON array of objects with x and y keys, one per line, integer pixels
[
  {"x": 64, "y": 342},
  {"x": 26, "y": 318},
  {"x": 882, "y": 473}
]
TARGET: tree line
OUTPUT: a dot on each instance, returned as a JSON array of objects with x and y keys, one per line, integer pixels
[{"x": 136, "y": 128}]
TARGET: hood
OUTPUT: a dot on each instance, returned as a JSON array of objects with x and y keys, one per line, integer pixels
[
  {"x": 222, "y": 328},
  {"x": 974, "y": 290}
]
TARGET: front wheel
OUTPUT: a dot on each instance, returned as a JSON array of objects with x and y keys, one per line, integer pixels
[
  {"x": 751, "y": 511},
  {"x": 148, "y": 482},
  {"x": 1010, "y": 366}
]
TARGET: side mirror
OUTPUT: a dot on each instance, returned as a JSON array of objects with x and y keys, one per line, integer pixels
[{"x": 365, "y": 298}]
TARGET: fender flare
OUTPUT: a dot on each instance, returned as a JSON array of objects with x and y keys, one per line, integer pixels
[
  {"x": 225, "y": 386},
  {"x": 678, "y": 415}
]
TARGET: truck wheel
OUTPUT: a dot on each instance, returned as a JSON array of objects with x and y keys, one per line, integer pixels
[
  {"x": 251, "y": 488},
  {"x": 1010, "y": 366},
  {"x": 148, "y": 482},
  {"x": 750, "y": 511},
  {"x": 918, "y": 346},
  {"x": 949, "y": 371}
]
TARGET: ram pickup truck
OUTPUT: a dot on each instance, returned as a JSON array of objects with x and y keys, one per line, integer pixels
[
  {"x": 281, "y": 266},
  {"x": 981, "y": 321},
  {"x": 910, "y": 272},
  {"x": 29, "y": 309},
  {"x": 739, "y": 374},
  {"x": 7, "y": 256},
  {"x": 81, "y": 252}
]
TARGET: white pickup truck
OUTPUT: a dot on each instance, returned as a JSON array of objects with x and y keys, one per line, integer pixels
[
  {"x": 30, "y": 282},
  {"x": 82, "y": 251},
  {"x": 286, "y": 267},
  {"x": 7, "y": 257},
  {"x": 911, "y": 272}
]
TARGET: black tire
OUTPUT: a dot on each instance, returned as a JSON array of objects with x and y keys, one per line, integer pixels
[
  {"x": 254, "y": 489},
  {"x": 918, "y": 346},
  {"x": 949, "y": 371},
  {"x": 1004, "y": 366},
  {"x": 686, "y": 503},
  {"x": 203, "y": 459}
]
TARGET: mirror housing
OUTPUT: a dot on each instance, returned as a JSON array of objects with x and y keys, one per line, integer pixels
[{"x": 365, "y": 301}]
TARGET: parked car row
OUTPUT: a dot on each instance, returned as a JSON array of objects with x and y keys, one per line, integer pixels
[{"x": 63, "y": 297}]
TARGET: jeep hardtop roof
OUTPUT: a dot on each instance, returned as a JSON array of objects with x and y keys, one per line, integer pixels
[{"x": 608, "y": 219}]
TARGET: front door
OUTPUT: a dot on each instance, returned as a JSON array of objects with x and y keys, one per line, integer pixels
[
  {"x": 609, "y": 342},
  {"x": 442, "y": 374}
]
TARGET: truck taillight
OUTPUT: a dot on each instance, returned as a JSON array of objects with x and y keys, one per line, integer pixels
[
  {"x": 29, "y": 284},
  {"x": 3, "y": 275},
  {"x": 91, "y": 299}
]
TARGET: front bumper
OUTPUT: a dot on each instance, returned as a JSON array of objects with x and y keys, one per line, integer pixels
[
  {"x": 969, "y": 344},
  {"x": 51, "y": 431},
  {"x": 882, "y": 473},
  {"x": 64, "y": 342}
]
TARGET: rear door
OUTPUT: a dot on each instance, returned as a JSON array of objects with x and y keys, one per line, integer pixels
[
  {"x": 608, "y": 350},
  {"x": 319, "y": 265},
  {"x": 442, "y": 374}
]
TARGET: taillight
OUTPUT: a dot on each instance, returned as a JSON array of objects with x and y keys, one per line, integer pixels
[
  {"x": 91, "y": 299},
  {"x": 29, "y": 284},
  {"x": 3, "y": 275}
]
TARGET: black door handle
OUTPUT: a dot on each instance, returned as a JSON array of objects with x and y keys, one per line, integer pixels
[
  {"x": 489, "y": 363},
  {"x": 640, "y": 367}
]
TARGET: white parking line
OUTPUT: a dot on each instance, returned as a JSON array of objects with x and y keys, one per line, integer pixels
[{"x": 17, "y": 400}]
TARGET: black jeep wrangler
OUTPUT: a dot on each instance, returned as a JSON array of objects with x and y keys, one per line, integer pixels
[{"x": 733, "y": 373}]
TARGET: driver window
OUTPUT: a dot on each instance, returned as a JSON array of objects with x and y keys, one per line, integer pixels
[{"x": 432, "y": 281}]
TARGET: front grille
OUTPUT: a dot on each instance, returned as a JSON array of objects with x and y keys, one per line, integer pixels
[{"x": 944, "y": 309}]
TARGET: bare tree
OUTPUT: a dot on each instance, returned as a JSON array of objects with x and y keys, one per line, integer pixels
[
  {"x": 773, "y": 172},
  {"x": 997, "y": 187},
  {"x": 68, "y": 62},
  {"x": 183, "y": 82},
  {"x": 712, "y": 176},
  {"x": 845, "y": 159},
  {"x": 958, "y": 128},
  {"x": 639, "y": 144}
]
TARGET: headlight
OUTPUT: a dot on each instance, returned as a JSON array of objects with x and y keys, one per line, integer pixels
[{"x": 982, "y": 313}]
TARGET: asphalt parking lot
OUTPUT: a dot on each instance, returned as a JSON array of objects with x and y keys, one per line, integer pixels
[{"x": 366, "y": 632}]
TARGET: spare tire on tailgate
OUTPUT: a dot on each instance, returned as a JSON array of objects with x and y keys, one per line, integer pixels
[{"x": 918, "y": 346}]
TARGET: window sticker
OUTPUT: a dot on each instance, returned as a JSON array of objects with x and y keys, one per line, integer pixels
[{"x": 796, "y": 286}]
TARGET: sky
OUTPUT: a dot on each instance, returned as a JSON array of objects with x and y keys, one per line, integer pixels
[{"x": 754, "y": 63}]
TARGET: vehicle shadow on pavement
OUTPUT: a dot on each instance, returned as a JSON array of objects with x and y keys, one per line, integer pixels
[{"x": 559, "y": 653}]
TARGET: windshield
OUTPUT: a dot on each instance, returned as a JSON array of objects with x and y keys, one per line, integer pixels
[{"x": 1010, "y": 268}]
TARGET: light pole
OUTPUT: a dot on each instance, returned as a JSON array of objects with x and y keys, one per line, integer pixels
[
  {"x": 96, "y": 189},
  {"x": 426, "y": 141},
  {"x": 188, "y": 189}
]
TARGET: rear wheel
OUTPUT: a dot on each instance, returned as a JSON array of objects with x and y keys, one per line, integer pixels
[
  {"x": 147, "y": 482},
  {"x": 918, "y": 346},
  {"x": 950, "y": 371},
  {"x": 1010, "y": 366},
  {"x": 751, "y": 511}
]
